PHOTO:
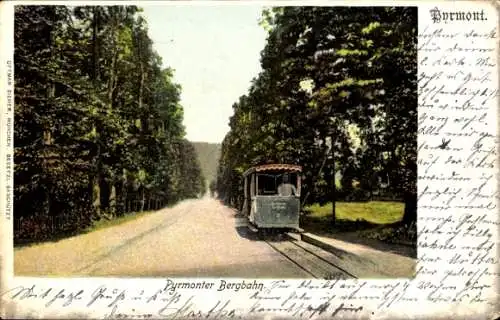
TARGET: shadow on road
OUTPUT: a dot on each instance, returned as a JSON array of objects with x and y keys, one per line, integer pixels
[
  {"x": 276, "y": 236},
  {"x": 246, "y": 233},
  {"x": 403, "y": 250}
]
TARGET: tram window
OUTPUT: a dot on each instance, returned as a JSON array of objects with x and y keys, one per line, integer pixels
[
  {"x": 267, "y": 184},
  {"x": 292, "y": 178}
]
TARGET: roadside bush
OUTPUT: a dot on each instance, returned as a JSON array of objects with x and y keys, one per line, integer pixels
[{"x": 39, "y": 228}]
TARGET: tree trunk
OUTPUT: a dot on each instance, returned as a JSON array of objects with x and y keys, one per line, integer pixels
[
  {"x": 113, "y": 200},
  {"x": 315, "y": 178},
  {"x": 143, "y": 199},
  {"x": 120, "y": 201},
  {"x": 112, "y": 78},
  {"x": 125, "y": 193},
  {"x": 96, "y": 192},
  {"x": 95, "y": 46},
  {"x": 104, "y": 193},
  {"x": 141, "y": 89},
  {"x": 334, "y": 187},
  {"x": 410, "y": 214}
]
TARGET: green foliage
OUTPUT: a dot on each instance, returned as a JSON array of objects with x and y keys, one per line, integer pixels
[
  {"x": 208, "y": 156},
  {"x": 98, "y": 121},
  {"x": 328, "y": 72}
]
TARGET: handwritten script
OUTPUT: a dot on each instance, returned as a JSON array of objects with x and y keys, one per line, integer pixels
[
  {"x": 458, "y": 196},
  {"x": 171, "y": 304}
]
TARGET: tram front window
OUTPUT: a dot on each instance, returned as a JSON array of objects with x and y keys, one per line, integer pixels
[
  {"x": 267, "y": 185},
  {"x": 284, "y": 184}
]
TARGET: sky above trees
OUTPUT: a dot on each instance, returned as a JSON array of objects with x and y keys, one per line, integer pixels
[{"x": 215, "y": 52}]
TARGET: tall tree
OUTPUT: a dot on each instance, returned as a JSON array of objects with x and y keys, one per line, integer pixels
[
  {"x": 98, "y": 120},
  {"x": 334, "y": 82}
]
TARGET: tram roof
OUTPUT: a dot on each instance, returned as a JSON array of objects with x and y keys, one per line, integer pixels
[{"x": 273, "y": 167}]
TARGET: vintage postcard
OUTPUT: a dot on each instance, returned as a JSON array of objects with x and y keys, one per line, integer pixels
[{"x": 249, "y": 160}]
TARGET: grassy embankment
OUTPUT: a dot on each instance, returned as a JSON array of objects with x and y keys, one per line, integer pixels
[
  {"x": 374, "y": 219},
  {"x": 105, "y": 223},
  {"x": 97, "y": 225}
]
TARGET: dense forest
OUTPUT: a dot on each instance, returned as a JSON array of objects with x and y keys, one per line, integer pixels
[
  {"x": 208, "y": 156},
  {"x": 98, "y": 121},
  {"x": 337, "y": 94}
]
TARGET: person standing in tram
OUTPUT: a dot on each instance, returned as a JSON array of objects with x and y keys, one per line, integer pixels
[{"x": 286, "y": 189}]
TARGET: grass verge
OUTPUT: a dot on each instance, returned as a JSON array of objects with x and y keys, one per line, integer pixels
[
  {"x": 97, "y": 225},
  {"x": 106, "y": 223},
  {"x": 376, "y": 212},
  {"x": 379, "y": 220}
]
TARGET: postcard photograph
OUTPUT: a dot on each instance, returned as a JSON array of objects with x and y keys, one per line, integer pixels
[{"x": 229, "y": 141}]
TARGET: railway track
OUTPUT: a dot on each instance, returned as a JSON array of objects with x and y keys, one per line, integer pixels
[
  {"x": 316, "y": 262},
  {"x": 313, "y": 260}
]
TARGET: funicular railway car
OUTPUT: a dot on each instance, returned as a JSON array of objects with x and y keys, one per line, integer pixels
[{"x": 272, "y": 197}]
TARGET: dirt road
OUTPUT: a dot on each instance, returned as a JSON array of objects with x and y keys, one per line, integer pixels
[{"x": 195, "y": 238}]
